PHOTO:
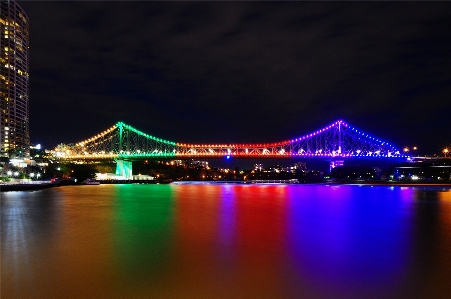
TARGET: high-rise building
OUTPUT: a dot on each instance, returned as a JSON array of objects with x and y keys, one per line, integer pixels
[{"x": 14, "y": 77}]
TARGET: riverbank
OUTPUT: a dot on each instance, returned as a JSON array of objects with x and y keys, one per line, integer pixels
[
  {"x": 26, "y": 186},
  {"x": 393, "y": 183},
  {"x": 33, "y": 186},
  {"x": 44, "y": 185}
]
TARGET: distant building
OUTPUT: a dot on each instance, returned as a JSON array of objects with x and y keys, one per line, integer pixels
[
  {"x": 258, "y": 167},
  {"x": 203, "y": 164},
  {"x": 14, "y": 77}
]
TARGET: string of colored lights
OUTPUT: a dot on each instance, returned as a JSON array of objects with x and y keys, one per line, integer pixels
[
  {"x": 338, "y": 139},
  {"x": 119, "y": 124}
]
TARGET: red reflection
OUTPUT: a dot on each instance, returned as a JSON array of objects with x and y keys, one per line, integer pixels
[
  {"x": 230, "y": 244},
  {"x": 196, "y": 228},
  {"x": 261, "y": 215}
]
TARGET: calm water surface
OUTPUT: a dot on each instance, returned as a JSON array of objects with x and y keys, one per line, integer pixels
[{"x": 226, "y": 241}]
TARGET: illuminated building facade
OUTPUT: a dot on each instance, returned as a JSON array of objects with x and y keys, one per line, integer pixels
[{"x": 14, "y": 77}]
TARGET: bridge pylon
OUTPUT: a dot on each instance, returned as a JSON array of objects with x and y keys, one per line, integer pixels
[{"x": 124, "y": 169}]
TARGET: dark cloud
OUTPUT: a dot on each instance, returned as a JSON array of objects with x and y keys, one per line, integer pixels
[{"x": 240, "y": 71}]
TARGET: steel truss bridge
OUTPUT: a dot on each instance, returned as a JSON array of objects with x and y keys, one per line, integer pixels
[{"x": 122, "y": 141}]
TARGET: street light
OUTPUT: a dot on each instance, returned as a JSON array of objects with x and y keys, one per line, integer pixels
[{"x": 445, "y": 151}]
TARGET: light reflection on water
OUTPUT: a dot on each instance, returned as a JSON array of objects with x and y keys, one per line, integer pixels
[{"x": 226, "y": 241}]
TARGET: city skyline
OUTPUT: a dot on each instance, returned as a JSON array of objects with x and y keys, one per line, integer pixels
[{"x": 240, "y": 72}]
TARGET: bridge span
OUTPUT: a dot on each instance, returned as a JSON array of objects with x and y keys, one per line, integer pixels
[{"x": 123, "y": 142}]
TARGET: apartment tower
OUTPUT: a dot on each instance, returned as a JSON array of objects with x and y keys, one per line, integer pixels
[{"x": 14, "y": 76}]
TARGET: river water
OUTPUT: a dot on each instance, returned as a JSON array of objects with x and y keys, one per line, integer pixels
[{"x": 226, "y": 241}]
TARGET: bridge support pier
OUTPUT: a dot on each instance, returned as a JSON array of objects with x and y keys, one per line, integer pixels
[
  {"x": 335, "y": 163},
  {"x": 124, "y": 169}
]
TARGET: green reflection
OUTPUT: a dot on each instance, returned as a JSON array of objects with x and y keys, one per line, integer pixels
[{"x": 144, "y": 225}]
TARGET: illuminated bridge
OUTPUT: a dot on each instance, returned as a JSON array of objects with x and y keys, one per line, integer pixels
[{"x": 123, "y": 142}]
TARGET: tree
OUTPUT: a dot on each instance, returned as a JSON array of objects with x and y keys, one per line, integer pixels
[{"x": 82, "y": 172}]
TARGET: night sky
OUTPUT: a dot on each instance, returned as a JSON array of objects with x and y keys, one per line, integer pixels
[{"x": 224, "y": 72}]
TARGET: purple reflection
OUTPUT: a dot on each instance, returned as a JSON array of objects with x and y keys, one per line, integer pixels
[
  {"x": 346, "y": 238},
  {"x": 227, "y": 228}
]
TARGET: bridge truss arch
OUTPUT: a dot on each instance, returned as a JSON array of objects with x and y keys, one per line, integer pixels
[
  {"x": 120, "y": 141},
  {"x": 338, "y": 139}
]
